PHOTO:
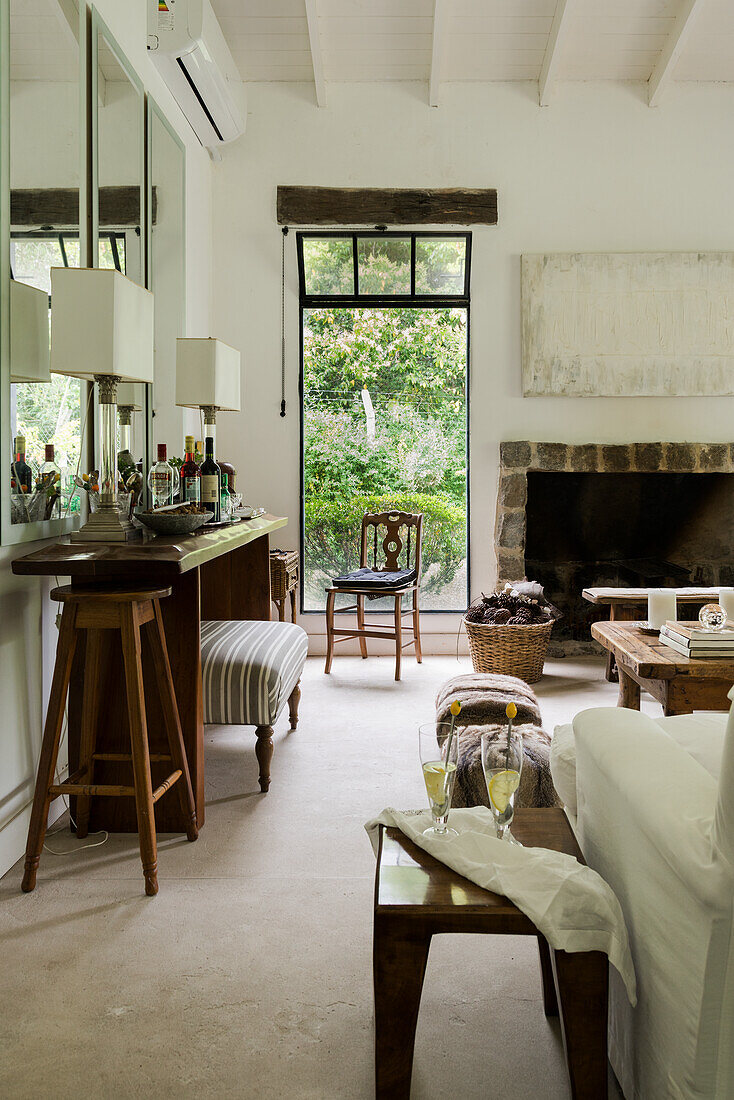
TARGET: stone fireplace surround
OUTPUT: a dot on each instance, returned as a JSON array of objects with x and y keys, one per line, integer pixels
[{"x": 518, "y": 457}]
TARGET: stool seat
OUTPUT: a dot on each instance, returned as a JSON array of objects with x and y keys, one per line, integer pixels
[{"x": 127, "y": 594}]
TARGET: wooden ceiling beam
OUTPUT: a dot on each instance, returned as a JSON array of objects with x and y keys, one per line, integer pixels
[
  {"x": 662, "y": 74},
  {"x": 317, "y": 59},
  {"x": 549, "y": 68},
  {"x": 438, "y": 51}
]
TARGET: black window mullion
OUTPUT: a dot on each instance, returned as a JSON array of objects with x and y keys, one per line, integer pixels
[
  {"x": 355, "y": 260},
  {"x": 412, "y": 265},
  {"x": 62, "y": 246}
]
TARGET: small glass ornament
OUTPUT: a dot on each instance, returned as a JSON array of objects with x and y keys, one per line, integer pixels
[{"x": 712, "y": 617}]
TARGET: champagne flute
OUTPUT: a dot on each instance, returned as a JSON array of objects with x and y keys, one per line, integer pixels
[
  {"x": 439, "y": 758},
  {"x": 502, "y": 758}
]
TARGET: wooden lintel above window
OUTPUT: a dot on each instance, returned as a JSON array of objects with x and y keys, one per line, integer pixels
[
  {"x": 59, "y": 207},
  {"x": 336, "y": 206}
]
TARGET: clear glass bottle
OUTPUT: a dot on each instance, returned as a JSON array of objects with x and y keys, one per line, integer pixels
[
  {"x": 210, "y": 482},
  {"x": 225, "y": 501},
  {"x": 49, "y": 479},
  {"x": 190, "y": 475},
  {"x": 163, "y": 479}
]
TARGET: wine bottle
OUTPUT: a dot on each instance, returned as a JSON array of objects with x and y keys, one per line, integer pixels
[
  {"x": 49, "y": 478},
  {"x": 210, "y": 481},
  {"x": 21, "y": 475},
  {"x": 190, "y": 475}
]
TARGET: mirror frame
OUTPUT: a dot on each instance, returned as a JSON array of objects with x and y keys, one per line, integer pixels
[
  {"x": 154, "y": 111},
  {"x": 11, "y": 534}
]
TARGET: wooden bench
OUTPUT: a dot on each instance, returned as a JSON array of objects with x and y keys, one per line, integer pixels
[{"x": 416, "y": 897}]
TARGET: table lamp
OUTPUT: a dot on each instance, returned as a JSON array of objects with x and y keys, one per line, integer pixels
[
  {"x": 207, "y": 378},
  {"x": 29, "y": 347},
  {"x": 102, "y": 331}
]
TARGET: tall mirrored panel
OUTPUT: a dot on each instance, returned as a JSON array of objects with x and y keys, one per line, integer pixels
[{"x": 43, "y": 452}]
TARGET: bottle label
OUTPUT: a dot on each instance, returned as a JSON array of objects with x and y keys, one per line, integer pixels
[
  {"x": 192, "y": 489},
  {"x": 210, "y": 488}
]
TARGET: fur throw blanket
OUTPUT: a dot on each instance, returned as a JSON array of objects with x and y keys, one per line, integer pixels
[
  {"x": 536, "y": 785},
  {"x": 483, "y": 699}
]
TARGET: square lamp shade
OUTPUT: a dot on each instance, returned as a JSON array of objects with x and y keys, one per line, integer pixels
[
  {"x": 101, "y": 324},
  {"x": 131, "y": 395},
  {"x": 207, "y": 374},
  {"x": 29, "y": 341}
]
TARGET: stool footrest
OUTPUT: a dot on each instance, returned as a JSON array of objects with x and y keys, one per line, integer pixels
[
  {"x": 91, "y": 790},
  {"x": 121, "y": 757},
  {"x": 166, "y": 784}
]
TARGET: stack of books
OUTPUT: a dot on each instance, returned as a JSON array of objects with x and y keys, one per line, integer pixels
[{"x": 690, "y": 640}]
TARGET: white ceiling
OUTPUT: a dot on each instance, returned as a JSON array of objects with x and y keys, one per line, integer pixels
[{"x": 480, "y": 40}]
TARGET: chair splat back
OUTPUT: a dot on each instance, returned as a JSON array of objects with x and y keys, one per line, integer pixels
[{"x": 403, "y": 532}]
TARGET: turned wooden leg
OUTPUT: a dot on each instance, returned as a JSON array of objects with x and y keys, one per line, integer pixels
[
  {"x": 264, "y": 754},
  {"x": 629, "y": 691},
  {"x": 399, "y": 965},
  {"x": 582, "y": 990},
  {"x": 293, "y": 604},
  {"x": 293, "y": 700},
  {"x": 360, "y": 625},
  {"x": 50, "y": 747},
  {"x": 550, "y": 1001},
  {"x": 169, "y": 706},
  {"x": 330, "y": 597},
  {"x": 88, "y": 737},
  {"x": 398, "y": 634},
  {"x": 131, "y": 651},
  {"x": 417, "y": 629}
]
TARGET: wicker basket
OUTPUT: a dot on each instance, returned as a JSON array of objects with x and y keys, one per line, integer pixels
[
  {"x": 509, "y": 650},
  {"x": 283, "y": 572}
]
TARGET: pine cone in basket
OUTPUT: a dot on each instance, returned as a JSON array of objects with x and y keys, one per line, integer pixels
[{"x": 502, "y": 615}]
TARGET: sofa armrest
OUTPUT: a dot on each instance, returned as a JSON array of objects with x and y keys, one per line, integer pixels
[{"x": 627, "y": 767}]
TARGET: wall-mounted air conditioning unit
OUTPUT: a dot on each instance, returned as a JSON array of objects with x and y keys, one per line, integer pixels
[{"x": 187, "y": 44}]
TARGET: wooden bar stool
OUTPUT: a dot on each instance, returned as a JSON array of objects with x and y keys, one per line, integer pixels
[{"x": 96, "y": 610}]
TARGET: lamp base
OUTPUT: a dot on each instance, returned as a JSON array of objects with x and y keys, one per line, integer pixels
[{"x": 107, "y": 525}]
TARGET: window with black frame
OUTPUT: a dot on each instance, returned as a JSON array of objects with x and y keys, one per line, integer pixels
[{"x": 385, "y": 360}]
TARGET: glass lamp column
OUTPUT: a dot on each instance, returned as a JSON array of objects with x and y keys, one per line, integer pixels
[
  {"x": 210, "y": 423},
  {"x": 108, "y": 524}
]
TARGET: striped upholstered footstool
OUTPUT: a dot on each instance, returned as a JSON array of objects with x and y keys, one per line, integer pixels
[{"x": 250, "y": 670}]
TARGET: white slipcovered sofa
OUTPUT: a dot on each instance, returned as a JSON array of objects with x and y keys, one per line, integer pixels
[{"x": 652, "y": 804}]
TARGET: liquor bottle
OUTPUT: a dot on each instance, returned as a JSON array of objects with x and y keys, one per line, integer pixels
[
  {"x": 210, "y": 482},
  {"x": 21, "y": 475},
  {"x": 225, "y": 501},
  {"x": 163, "y": 479},
  {"x": 49, "y": 480},
  {"x": 190, "y": 475}
]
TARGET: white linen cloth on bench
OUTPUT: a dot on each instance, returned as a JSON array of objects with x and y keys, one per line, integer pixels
[
  {"x": 569, "y": 903},
  {"x": 249, "y": 669}
]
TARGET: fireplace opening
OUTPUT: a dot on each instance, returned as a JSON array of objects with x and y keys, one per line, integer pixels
[{"x": 624, "y": 530}]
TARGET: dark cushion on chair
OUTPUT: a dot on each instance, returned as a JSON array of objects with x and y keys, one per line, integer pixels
[{"x": 373, "y": 580}]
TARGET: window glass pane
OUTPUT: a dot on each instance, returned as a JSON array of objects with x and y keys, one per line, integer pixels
[
  {"x": 107, "y": 254},
  {"x": 328, "y": 265},
  {"x": 439, "y": 265},
  {"x": 384, "y": 265},
  {"x": 31, "y": 260}
]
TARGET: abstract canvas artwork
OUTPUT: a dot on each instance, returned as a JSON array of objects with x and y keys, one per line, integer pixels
[{"x": 636, "y": 324}]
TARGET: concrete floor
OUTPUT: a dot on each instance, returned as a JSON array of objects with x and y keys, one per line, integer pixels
[{"x": 249, "y": 974}]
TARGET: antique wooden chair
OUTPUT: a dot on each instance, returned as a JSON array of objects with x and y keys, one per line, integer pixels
[{"x": 403, "y": 532}]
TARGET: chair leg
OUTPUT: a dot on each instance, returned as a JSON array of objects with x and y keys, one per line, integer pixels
[
  {"x": 130, "y": 631},
  {"x": 330, "y": 597},
  {"x": 293, "y": 604},
  {"x": 50, "y": 747},
  {"x": 281, "y": 610},
  {"x": 360, "y": 625},
  {"x": 88, "y": 737},
  {"x": 293, "y": 700},
  {"x": 417, "y": 629},
  {"x": 264, "y": 754},
  {"x": 398, "y": 633},
  {"x": 172, "y": 721}
]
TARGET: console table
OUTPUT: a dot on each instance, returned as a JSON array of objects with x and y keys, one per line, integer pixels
[{"x": 222, "y": 574}]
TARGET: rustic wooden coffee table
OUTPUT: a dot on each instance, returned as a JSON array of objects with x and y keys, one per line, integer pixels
[
  {"x": 417, "y": 897},
  {"x": 682, "y": 685}
]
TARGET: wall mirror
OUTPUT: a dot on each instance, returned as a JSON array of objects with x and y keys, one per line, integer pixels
[
  {"x": 42, "y": 413},
  {"x": 167, "y": 268}
]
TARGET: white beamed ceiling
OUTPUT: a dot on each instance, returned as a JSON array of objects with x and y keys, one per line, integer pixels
[{"x": 482, "y": 40}]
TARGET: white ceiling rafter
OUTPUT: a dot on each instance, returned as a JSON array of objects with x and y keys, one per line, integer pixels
[
  {"x": 549, "y": 68},
  {"x": 438, "y": 51},
  {"x": 662, "y": 74},
  {"x": 317, "y": 60}
]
